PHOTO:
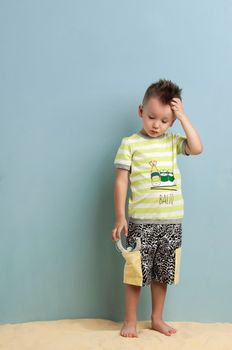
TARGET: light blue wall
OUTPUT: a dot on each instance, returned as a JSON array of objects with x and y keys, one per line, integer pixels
[{"x": 72, "y": 74}]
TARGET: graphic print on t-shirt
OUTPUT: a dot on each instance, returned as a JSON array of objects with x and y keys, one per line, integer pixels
[{"x": 161, "y": 179}]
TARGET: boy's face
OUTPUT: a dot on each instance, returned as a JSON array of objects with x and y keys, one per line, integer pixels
[{"x": 156, "y": 117}]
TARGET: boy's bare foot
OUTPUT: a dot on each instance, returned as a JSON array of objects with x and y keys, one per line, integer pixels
[
  {"x": 129, "y": 329},
  {"x": 162, "y": 327}
]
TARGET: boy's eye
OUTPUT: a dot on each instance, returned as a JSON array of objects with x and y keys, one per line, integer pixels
[{"x": 163, "y": 121}]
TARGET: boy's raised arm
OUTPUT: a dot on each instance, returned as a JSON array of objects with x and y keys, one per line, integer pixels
[{"x": 194, "y": 144}]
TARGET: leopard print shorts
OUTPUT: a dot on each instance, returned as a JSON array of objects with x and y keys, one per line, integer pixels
[{"x": 160, "y": 250}]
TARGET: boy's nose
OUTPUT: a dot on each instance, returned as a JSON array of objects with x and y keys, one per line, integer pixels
[{"x": 156, "y": 125}]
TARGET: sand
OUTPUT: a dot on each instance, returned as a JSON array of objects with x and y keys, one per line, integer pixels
[{"x": 82, "y": 334}]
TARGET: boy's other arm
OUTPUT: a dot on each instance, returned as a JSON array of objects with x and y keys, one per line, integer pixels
[
  {"x": 194, "y": 145},
  {"x": 120, "y": 194}
]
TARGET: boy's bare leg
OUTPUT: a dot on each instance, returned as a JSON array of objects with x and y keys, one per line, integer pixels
[
  {"x": 158, "y": 292},
  {"x": 132, "y": 294}
]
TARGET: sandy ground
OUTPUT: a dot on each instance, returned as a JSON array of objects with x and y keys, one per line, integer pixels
[{"x": 82, "y": 334}]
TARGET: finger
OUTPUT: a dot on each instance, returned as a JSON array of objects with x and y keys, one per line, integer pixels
[
  {"x": 113, "y": 234},
  {"x": 174, "y": 105},
  {"x": 118, "y": 232},
  {"x": 126, "y": 230},
  {"x": 114, "y": 231}
]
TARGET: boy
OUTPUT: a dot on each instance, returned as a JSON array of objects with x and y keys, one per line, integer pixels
[{"x": 156, "y": 205}]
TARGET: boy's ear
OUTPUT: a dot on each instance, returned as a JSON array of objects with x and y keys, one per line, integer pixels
[{"x": 140, "y": 110}]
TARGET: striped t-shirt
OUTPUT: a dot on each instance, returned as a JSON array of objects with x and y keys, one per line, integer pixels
[{"x": 155, "y": 179}]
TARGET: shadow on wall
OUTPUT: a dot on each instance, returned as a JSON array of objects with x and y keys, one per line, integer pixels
[{"x": 105, "y": 262}]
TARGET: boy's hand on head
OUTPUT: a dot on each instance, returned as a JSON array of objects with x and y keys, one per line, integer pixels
[
  {"x": 120, "y": 225},
  {"x": 178, "y": 108}
]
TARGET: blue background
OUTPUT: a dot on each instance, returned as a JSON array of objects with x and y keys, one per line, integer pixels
[{"x": 72, "y": 74}]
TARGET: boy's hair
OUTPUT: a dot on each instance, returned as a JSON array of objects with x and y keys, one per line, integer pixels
[{"x": 164, "y": 89}]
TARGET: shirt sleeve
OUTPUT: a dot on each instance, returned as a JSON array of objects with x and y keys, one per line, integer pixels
[
  {"x": 181, "y": 142},
  {"x": 123, "y": 156}
]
